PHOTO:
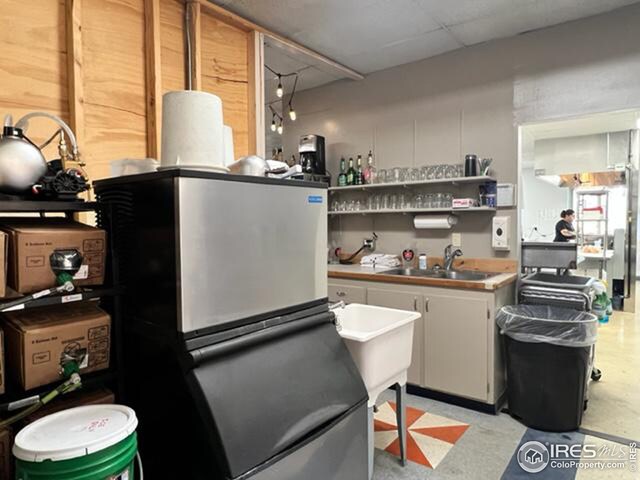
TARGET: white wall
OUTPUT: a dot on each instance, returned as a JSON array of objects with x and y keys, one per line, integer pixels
[
  {"x": 542, "y": 203},
  {"x": 471, "y": 100}
]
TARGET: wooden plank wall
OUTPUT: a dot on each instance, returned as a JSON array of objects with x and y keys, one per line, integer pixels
[
  {"x": 224, "y": 58},
  {"x": 33, "y": 62},
  {"x": 111, "y": 90}
]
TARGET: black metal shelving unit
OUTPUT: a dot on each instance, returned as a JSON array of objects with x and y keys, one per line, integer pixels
[{"x": 109, "y": 295}]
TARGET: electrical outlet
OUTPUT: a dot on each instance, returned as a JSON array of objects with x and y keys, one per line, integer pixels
[{"x": 456, "y": 239}]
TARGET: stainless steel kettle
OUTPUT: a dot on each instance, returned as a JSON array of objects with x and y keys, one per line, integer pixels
[{"x": 21, "y": 161}]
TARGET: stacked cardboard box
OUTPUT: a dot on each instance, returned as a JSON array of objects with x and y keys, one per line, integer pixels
[
  {"x": 32, "y": 240},
  {"x": 38, "y": 340}
]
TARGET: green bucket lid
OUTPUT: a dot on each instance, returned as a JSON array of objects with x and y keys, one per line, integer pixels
[{"x": 74, "y": 433}]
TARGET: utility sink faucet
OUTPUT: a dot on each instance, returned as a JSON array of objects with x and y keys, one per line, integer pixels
[{"x": 450, "y": 255}]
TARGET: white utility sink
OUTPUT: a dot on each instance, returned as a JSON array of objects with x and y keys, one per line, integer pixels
[{"x": 380, "y": 341}]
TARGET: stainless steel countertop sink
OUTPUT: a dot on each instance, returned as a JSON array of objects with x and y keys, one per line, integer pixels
[{"x": 444, "y": 274}]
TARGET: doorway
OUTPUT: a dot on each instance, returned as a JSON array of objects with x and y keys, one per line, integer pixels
[{"x": 590, "y": 165}]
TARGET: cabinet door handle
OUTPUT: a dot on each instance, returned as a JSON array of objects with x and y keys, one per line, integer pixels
[
  {"x": 426, "y": 305},
  {"x": 341, "y": 294},
  {"x": 415, "y": 304}
]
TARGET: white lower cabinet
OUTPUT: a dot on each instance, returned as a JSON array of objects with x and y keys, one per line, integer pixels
[
  {"x": 456, "y": 349},
  {"x": 405, "y": 301},
  {"x": 347, "y": 293},
  {"x": 456, "y": 345}
]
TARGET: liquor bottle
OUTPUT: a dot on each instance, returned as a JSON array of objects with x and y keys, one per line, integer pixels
[
  {"x": 370, "y": 172},
  {"x": 359, "y": 173},
  {"x": 342, "y": 178},
  {"x": 351, "y": 173}
]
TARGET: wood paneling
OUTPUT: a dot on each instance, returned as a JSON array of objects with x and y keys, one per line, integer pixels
[
  {"x": 255, "y": 64},
  {"x": 33, "y": 63},
  {"x": 103, "y": 66},
  {"x": 234, "y": 106},
  {"x": 172, "y": 51},
  {"x": 75, "y": 87},
  {"x": 114, "y": 83},
  {"x": 153, "y": 76},
  {"x": 224, "y": 50},
  {"x": 194, "y": 50},
  {"x": 225, "y": 73}
]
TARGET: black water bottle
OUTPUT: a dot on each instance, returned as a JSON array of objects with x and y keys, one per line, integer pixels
[{"x": 471, "y": 165}]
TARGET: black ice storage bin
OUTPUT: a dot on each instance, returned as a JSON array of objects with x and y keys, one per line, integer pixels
[{"x": 549, "y": 355}]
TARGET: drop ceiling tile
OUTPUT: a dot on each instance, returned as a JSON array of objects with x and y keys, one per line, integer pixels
[
  {"x": 339, "y": 28},
  {"x": 382, "y": 33},
  {"x": 494, "y": 20},
  {"x": 406, "y": 51},
  {"x": 459, "y": 11},
  {"x": 281, "y": 61}
]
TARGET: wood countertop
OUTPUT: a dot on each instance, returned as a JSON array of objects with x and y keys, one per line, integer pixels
[{"x": 357, "y": 272}]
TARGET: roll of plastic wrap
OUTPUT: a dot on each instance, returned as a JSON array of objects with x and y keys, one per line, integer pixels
[
  {"x": 434, "y": 221},
  {"x": 229, "y": 156},
  {"x": 192, "y": 129}
]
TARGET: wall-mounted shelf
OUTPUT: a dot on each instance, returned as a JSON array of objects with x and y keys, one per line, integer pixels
[
  {"x": 419, "y": 183},
  {"x": 417, "y": 210}
]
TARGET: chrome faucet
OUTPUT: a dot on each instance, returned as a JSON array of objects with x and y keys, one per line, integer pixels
[
  {"x": 450, "y": 255},
  {"x": 337, "y": 305}
]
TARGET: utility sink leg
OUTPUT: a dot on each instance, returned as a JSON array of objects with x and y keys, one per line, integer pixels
[
  {"x": 401, "y": 417},
  {"x": 370, "y": 440}
]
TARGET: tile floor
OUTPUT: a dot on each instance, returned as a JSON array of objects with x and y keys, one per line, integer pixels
[{"x": 486, "y": 449}]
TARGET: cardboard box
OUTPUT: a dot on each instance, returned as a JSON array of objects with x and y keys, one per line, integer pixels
[
  {"x": 31, "y": 242},
  {"x": 2, "y": 374},
  {"x": 6, "y": 459},
  {"x": 77, "y": 398},
  {"x": 37, "y": 339}
]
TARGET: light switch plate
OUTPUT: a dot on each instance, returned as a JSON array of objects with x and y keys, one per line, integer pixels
[{"x": 456, "y": 239}]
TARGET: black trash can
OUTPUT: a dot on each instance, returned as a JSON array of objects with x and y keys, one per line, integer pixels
[{"x": 548, "y": 353}]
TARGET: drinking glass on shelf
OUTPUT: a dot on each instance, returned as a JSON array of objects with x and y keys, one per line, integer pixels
[
  {"x": 395, "y": 175},
  {"x": 428, "y": 200},
  {"x": 359, "y": 205},
  {"x": 424, "y": 172},
  {"x": 439, "y": 200},
  {"x": 440, "y": 169},
  {"x": 450, "y": 171},
  {"x": 384, "y": 201},
  {"x": 382, "y": 176},
  {"x": 415, "y": 174},
  {"x": 393, "y": 202},
  {"x": 418, "y": 201},
  {"x": 447, "y": 200},
  {"x": 403, "y": 201},
  {"x": 371, "y": 201},
  {"x": 460, "y": 170},
  {"x": 431, "y": 172},
  {"x": 405, "y": 174}
]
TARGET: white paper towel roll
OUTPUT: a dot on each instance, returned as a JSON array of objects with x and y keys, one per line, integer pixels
[
  {"x": 434, "y": 221},
  {"x": 229, "y": 156},
  {"x": 192, "y": 129}
]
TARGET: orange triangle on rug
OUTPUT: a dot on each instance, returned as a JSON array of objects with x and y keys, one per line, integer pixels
[{"x": 429, "y": 437}]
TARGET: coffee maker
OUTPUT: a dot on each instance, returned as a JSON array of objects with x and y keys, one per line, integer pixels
[{"x": 311, "y": 150}]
